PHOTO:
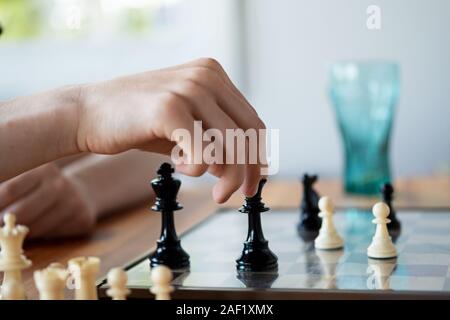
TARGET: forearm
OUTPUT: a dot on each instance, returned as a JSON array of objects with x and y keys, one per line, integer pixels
[
  {"x": 119, "y": 181},
  {"x": 37, "y": 129}
]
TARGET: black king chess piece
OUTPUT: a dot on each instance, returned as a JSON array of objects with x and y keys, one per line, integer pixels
[
  {"x": 387, "y": 194},
  {"x": 169, "y": 251},
  {"x": 310, "y": 222},
  {"x": 256, "y": 255}
]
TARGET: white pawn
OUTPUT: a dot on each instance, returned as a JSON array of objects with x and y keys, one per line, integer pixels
[
  {"x": 117, "y": 281},
  {"x": 51, "y": 282},
  {"x": 328, "y": 237},
  {"x": 161, "y": 278},
  {"x": 381, "y": 246}
]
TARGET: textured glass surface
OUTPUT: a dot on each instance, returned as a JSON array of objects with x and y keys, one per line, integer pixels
[{"x": 364, "y": 95}]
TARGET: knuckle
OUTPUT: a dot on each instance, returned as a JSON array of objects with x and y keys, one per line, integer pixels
[
  {"x": 209, "y": 62},
  {"x": 190, "y": 88},
  {"x": 200, "y": 73}
]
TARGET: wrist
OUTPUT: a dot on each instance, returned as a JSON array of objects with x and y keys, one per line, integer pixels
[
  {"x": 42, "y": 126},
  {"x": 68, "y": 104}
]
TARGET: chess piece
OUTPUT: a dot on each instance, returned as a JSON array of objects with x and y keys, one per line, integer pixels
[
  {"x": 256, "y": 255},
  {"x": 380, "y": 273},
  {"x": 169, "y": 251},
  {"x": 117, "y": 281},
  {"x": 12, "y": 260},
  {"x": 381, "y": 246},
  {"x": 309, "y": 210},
  {"x": 329, "y": 259},
  {"x": 51, "y": 282},
  {"x": 161, "y": 278},
  {"x": 328, "y": 237},
  {"x": 85, "y": 271},
  {"x": 387, "y": 193}
]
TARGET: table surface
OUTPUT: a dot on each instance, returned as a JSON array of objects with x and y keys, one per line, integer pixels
[{"x": 129, "y": 234}]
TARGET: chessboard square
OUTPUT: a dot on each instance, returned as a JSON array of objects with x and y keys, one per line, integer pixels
[
  {"x": 357, "y": 247},
  {"x": 352, "y": 269},
  {"x": 352, "y": 282},
  {"x": 200, "y": 279},
  {"x": 288, "y": 256},
  {"x": 425, "y": 247},
  {"x": 307, "y": 257},
  {"x": 447, "y": 284},
  {"x": 297, "y": 281},
  {"x": 357, "y": 257},
  {"x": 436, "y": 230},
  {"x": 430, "y": 239},
  {"x": 424, "y": 259},
  {"x": 305, "y": 268},
  {"x": 420, "y": 270},
  {"x": 411, "y": 283},
  {"x": 221, "y": 267}
]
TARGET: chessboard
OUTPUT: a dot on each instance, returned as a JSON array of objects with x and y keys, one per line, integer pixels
[{"x": 421, "y": 270}]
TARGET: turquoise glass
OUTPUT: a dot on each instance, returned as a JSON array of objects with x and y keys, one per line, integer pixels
[{"x": 364, "y": 96}]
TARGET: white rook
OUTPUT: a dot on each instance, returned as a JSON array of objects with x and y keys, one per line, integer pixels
[{"x": 85, "y": 271}]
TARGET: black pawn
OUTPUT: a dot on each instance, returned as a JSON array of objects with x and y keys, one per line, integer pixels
[
  {"x": 169, "y": 251},
  {"x": 387, "y": 193},
  {"x": 310, "y": 221},
  {"x": 256, "y": 255}
]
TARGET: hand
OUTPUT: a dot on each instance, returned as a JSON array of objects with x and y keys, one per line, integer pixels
[
  {"x": 142, "y": 111},
  {"x": 50, "y": 204}
]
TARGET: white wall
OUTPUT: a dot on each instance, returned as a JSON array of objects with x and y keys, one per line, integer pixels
[
  {"x": 290, "y": 45},
  {"x": 203, "y": 28}
]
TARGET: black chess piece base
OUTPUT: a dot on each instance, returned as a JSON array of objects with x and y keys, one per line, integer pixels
[
  {"x": 171, "y": 255},
  {"x": 257, "y": 257}
]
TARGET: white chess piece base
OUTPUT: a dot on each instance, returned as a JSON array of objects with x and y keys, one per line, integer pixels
[
  {"x": 329, "y": 242},
  {"x": 382, "y": 249}
]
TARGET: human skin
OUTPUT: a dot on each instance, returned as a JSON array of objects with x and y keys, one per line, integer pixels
[{"x": 133, "y": 112}]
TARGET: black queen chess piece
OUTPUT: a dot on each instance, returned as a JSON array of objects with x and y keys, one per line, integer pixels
[
  {"x": 310, "y": 221},
  {"x": 169, "y": 251},
  {"x": 256, "y": 255}
]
